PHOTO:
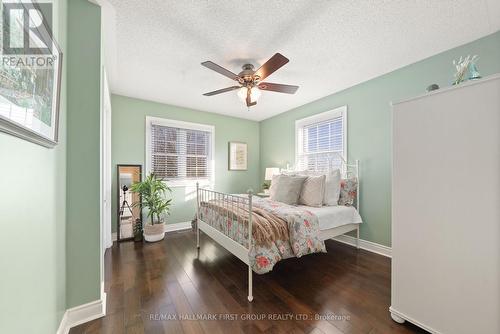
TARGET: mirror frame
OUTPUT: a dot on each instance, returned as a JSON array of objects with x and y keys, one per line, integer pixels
[{"x": 118, "y": 203}]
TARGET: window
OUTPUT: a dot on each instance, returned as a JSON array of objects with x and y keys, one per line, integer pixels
[
  {"x": 321, "y": 140},
  {"x": 179, "y": 152}
]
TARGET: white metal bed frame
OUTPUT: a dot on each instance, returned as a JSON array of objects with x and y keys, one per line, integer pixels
[{"x": 239, "y": 250}]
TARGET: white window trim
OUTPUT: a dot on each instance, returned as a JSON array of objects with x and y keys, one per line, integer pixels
[
  {"x": 334, "y": 113},
  {"x": 184, "y": 125}
]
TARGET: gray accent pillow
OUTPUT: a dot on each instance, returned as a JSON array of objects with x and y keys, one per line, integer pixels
[
  {"x": 332, "y": 186},
  {"x": 313, "y": 191},
  {"x": 286, "y": 189}
]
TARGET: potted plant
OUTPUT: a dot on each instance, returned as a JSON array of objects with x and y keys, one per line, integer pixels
[
  {"x": 265, "y": 187},
  {"x": 138, "y": 229},
  {"x": 153, "y": 192}
]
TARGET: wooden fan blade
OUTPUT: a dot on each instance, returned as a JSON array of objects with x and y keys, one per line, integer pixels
[
  {"x": 219, "y": 69},
  {"x": 249, "y": 99},
  {"x": 271, "y": 66},
  {"x": 280, "y": 88},
  {"x": 223, "y": 90}
]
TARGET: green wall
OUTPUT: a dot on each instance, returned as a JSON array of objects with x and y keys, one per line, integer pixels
[
  {"x": 83, "y": 156},
  {"x": 50, "y": 203},
  {"x": 128, "y": 147},
  {"x": 32, "y": 221},
  {"x": 369, "y": 126}
]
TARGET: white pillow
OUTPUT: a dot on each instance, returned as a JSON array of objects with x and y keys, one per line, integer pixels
[
  {"x": 332, "y": 187},
  {"x": 286, "y": 189},
  {"x": 313, "y": 191}
]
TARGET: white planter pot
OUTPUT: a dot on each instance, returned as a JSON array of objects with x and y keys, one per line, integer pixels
[{"x": 154, "y": 232}]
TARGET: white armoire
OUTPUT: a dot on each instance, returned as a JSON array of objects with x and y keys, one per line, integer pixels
[{"x": 446, "y": 209}]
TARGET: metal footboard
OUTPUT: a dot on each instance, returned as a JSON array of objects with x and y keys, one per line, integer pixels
[{"x": 223, "y": 234}]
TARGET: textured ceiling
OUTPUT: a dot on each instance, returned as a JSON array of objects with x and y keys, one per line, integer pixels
[{"x": 157, "y": 46}]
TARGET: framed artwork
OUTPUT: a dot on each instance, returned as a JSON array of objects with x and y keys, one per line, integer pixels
[
  {"x": 238, "y": 156},
  {"x": 30, "y": 76}
]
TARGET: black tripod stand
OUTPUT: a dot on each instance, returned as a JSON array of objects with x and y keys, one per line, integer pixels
[{"x": 125, "y": 204}]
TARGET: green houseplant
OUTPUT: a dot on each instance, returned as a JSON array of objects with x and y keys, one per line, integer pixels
[
  {"x": 265, "y": 187},
  {"x": 153, "y": 191}
]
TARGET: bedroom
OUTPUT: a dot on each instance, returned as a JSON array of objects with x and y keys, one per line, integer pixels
[{"x": 329, "y": 162}]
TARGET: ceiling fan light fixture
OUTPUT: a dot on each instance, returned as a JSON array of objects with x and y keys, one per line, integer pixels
[
  {"x": 254, "y": 94},
  {"x": 251, "y": 81}
]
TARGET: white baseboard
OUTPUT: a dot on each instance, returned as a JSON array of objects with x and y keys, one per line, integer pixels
[
  {"x": 366, "y": 245},
  {"x": 168, "y": 228},
  {"x": 177, "y": 227},
  {"x": 81, "y": 314},
  {"x": 346, "y": 239},
  {"x": 363, "y": 244}
]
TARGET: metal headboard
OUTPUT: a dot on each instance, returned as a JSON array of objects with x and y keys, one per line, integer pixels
[{"x": 329, "y": 161}]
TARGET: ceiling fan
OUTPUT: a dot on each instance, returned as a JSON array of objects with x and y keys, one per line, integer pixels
[{"x": 250, "y": 81}]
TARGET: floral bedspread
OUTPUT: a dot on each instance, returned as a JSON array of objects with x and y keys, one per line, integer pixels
[{"x": 302, "y": 237}]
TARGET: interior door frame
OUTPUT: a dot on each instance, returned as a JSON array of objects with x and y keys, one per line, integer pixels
[{"x": 106, "y": 164}]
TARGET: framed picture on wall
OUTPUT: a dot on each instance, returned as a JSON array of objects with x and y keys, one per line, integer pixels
[
  {"x": 238, "y": 156},
  {"x": 30, "y": 77}
]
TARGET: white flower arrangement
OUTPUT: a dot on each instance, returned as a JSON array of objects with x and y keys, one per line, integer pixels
[{"x": 461, "y": 66}]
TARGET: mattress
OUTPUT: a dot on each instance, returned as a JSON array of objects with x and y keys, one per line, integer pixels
[
  {"x": 335, "y": 216},
  {"x": 328, "y": 216}
]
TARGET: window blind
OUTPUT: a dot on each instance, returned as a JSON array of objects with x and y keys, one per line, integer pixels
[
  {"x": 180, "y": 154},
  {"x": 318, "y": 140}
]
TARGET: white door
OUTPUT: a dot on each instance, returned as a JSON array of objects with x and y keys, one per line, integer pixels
[{"x": 106, "y": 164}]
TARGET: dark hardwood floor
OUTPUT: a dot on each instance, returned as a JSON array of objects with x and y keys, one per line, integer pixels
[{"x": 165, "y": 287}]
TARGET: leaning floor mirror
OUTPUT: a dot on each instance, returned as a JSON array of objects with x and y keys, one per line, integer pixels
[{"x": 129, "y": 222}]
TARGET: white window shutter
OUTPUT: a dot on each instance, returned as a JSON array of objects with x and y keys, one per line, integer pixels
[
  {"x": 318, "y": 138},
  {"x": 180, "y": 154}
]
